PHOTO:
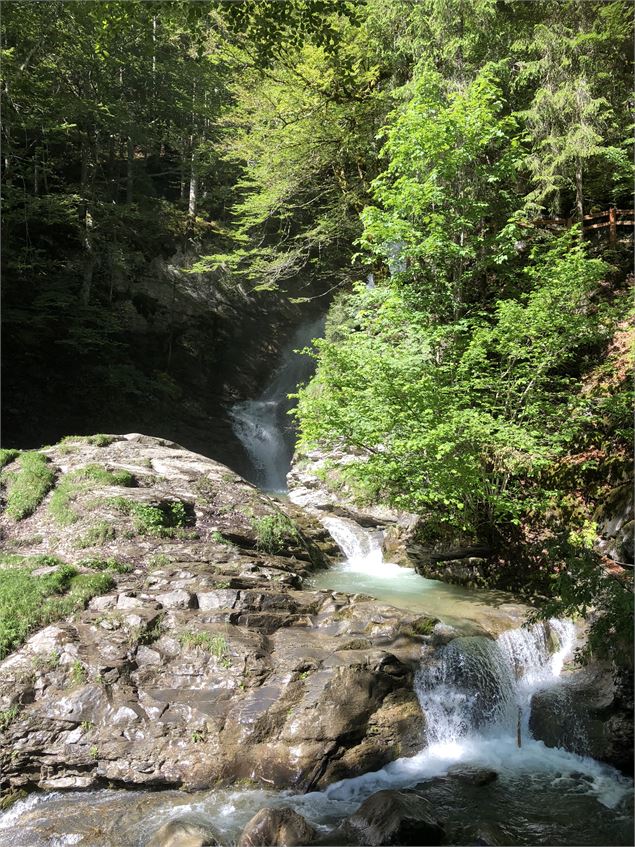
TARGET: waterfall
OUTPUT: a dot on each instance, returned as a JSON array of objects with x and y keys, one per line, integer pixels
[
  {"x": 475, "y": 692},
  {"x": 361, "y": 547},
  {"x": 479, "y": 687},
  {"x": 262, "y": 425}
]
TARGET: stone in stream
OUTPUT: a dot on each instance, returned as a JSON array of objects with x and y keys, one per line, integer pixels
[
  {"x": 187, "y": 831},
  {"x": 281, "y": 827},
  {"x": 393, "y": 817},
  {"x": 590, "y": 712},
  {"x": 472, "y": 775}
]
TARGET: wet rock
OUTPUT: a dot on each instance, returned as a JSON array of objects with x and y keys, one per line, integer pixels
[
  {"x": 187, "y": 831},
  {"x": 589, "y": 712},
  {"x": 394, "y": 817},
  {"x": 280, "y": 827},
  {"x": 472, "y": 775},
  {"x": 615, "y": 523}
]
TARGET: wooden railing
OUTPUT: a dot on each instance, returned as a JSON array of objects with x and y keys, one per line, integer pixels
[{"x": 609, "y": 219}]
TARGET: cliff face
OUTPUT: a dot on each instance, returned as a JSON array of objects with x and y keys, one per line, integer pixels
[{"x": 158, "y": 349}]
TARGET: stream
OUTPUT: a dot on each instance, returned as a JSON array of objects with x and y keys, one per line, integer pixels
[{"x": 475, "y": 693}]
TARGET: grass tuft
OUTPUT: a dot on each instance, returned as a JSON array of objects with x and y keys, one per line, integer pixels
[
  {"x": 7, "y": 455},
  {"x": 274, "y": 532},
  {"x": 28, "y": 601},
  {"x": 27, "y": 487}
]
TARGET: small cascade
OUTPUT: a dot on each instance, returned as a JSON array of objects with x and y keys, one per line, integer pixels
[
  {"x": 262, "y": 425},
  {"x": 361, "y": 547},
  {"x": 477, "y": 686}
]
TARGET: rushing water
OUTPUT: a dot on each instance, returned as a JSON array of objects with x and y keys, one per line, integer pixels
[
  {"x": 475, "y": 693},
  {"x": 263, "y": 426},
  {"x": 364, "y": 571}
]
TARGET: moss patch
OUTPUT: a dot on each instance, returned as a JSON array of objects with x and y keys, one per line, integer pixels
[{"x": 76, "y": 482}]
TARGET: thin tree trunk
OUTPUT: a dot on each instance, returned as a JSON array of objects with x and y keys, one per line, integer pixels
[
  {"x": 579, "y": 197},
  {"x": 193, "y": 181},
  {"x": 129, "y": 170},
  {"x": 89, "y": 158},
  {"x": 184, "y": 159}
]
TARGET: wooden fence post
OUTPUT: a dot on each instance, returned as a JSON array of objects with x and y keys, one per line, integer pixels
[{"x": 612, "y": 225}]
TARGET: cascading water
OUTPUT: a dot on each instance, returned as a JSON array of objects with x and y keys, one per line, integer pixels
[
  {"x": 475, "y": 692},
  {"x": 472, "y": 692},
  {"x": 263, "y": 426}
]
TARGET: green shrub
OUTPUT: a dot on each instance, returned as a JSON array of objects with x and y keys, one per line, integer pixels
[
  {"x": 273, "y": 532},
  {"x": 166, "y": 520},
  {"x": 27, "y": 487}
]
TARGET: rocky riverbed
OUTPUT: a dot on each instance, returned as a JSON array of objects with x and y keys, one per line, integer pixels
[
  {"x": 204, "y": 667},
  {"x": 206, "y": 661}
]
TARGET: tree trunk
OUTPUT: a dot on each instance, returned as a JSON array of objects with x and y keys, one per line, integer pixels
[
  {"x": 193, "y": 182},
  {"x": 89, "y": 158},
  {"x": 579, "y": 197},
  {"x": 129, "y": 171}
]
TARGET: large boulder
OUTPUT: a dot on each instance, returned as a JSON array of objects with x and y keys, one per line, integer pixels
[
  {"x": 279, "y": 827},
  {"x": 187, "y": 831},
  {"x": 589, "y": 712},
  {"x": 394, "y": 817},
  {"x": 205, "y": 660}
]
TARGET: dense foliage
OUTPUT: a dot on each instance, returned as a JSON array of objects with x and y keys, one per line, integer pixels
[{"x": 411, "y": 156}]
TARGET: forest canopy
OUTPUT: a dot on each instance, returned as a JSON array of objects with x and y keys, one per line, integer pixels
[{"x": 433, "y": 166}]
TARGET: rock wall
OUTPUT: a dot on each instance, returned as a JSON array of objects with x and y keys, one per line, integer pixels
[{"x": 163, "y": 351}]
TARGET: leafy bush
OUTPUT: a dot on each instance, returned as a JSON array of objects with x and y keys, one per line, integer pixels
[
  {"x": 274, "y": 532},
  {"x": 27, "y": 487}
]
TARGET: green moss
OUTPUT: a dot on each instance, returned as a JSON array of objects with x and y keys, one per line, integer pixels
[
  {"x": 105, "y": 565},
  {"x": 78, "y": 481},
  {"x": 99, "y": 440},
  {"x": 7, "y": 716},
  {"x": 27, "y": 487},
  {"x": 96, "y": 535},
  {"x": 11, "y": 797}
]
